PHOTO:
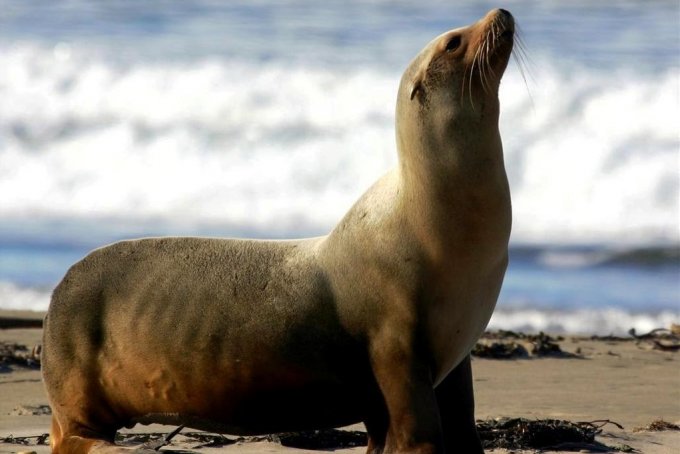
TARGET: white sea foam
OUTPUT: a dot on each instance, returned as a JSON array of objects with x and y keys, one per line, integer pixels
[
  {"x": 584, "y": 321},
  {"x": 596, "y": 156},
  {"x": 284, "y": 149},
  {"x": 16, "y": 297},
  {"x": 211, "y": 142},
  {"x": 574, "y": 259}
]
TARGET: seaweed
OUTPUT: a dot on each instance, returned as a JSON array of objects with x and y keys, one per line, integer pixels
[
  {"x": 29, "y": 440},
  {"x": 160, "y": 442},
  {"x": 499, "y": 350},
  {"x": 667, "y": 340},
  {"x": 608, "y": 338},
  {"x": 658, "y": 426},
  {"x": 507, "y": 346},
  {"x": 24, "y": 410},
  {"x": 521, "y": 433},
  {"x": 312, "y": 439},
  {"x": 541, "y": 344},
  {"x": 323, "y": 439},
  {"x": 13, "y": 354},
  {"x": 208, "y": 440},
  {"x": 544, "y": 345},
  {"x": 658, "y": 333},
  {"x": 507, "y": 334}
]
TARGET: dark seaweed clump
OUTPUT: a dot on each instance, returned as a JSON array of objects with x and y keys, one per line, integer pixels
[
  {"x": 667, "y": 340},
  {"x": 509, "y": 344},
  {"x": 323, "y": 439},
  {"x": 521, "y": 433},
  {"x": 658, "y": 425},
  {"x": 499, "y": 350},
  {"x": 312, "y": 439},
  {"x": 32, "y": 440},
  {"x": 12, "y": 354}
]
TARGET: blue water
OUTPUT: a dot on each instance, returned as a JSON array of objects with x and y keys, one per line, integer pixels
[
  {"x": 127, "y": 119},
  {"x": 344, "y": 32},
  {"x": 632, "y": 286}
]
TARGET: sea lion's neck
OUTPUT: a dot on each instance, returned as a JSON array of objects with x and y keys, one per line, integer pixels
[
  {"x": 444, "y": 161},
  {"x": 454, "y": 188}
]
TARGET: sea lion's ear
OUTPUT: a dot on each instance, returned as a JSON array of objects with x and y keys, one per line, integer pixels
[{"x": 416, "y": 85}]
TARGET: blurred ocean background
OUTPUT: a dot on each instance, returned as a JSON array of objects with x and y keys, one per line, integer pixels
[{"x": 267, "y": 118}]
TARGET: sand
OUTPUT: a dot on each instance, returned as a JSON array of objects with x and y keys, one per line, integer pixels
[{"x": 623, "y": 381}]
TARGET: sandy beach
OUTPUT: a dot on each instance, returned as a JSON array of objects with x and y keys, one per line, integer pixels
[{"x": 627, "y": 381}]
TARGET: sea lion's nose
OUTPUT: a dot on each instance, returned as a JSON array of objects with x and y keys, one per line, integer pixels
[
  {"x": 500, "y": 14},
  {"x": 503, "y": 17}
]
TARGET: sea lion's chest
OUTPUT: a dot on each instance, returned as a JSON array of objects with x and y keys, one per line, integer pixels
[{"x": 459, "y": 311}]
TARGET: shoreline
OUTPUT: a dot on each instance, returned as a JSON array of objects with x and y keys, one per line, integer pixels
[{"x": 624, "y": 380}]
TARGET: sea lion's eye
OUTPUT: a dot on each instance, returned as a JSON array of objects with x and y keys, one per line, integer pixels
[{"x": 453, "y": 44}]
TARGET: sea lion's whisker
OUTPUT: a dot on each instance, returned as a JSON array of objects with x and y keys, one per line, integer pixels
[
  {"x": 521, "y": 57},
  {"x": 462, "y": 85},
  {"x": 489, "y": 48},
  {"x": 483, "y": 59},
  {"x": 472, "y": 71},
  {"x": 495, "y": 42},
  {"x": 524, "y": 78},
  {"x": 522, "y": 52}
]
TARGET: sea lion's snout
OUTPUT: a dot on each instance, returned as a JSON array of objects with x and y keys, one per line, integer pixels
[
  {"x": 507, "y": 23},
  {"x": 496, "y": 33},
  {"x": 504, "y": 13},
  {"x": 503, "y": 16},
  {"x": 502, "y": 23},
  {"x": 466, "y": 62}
]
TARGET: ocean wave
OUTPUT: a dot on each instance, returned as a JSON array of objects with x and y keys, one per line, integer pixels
[
  {"x": 15, "y": 297},
  {"x": 212, "y": 142},
  {"x": 601, "y": 321},
  {"x": 279, "y": 148},
  {"x": 653, "y": 256},
  {"x": 594, "y": 157}
]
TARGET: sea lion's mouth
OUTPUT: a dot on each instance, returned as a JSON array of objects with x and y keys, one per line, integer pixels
[{"x": 508, "y": 35}]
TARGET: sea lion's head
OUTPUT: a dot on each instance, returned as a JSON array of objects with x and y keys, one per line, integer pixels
[{"x": 452, "y": 84}]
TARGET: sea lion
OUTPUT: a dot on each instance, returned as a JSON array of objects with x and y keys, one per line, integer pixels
[{"x": 371, "y": 323}]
